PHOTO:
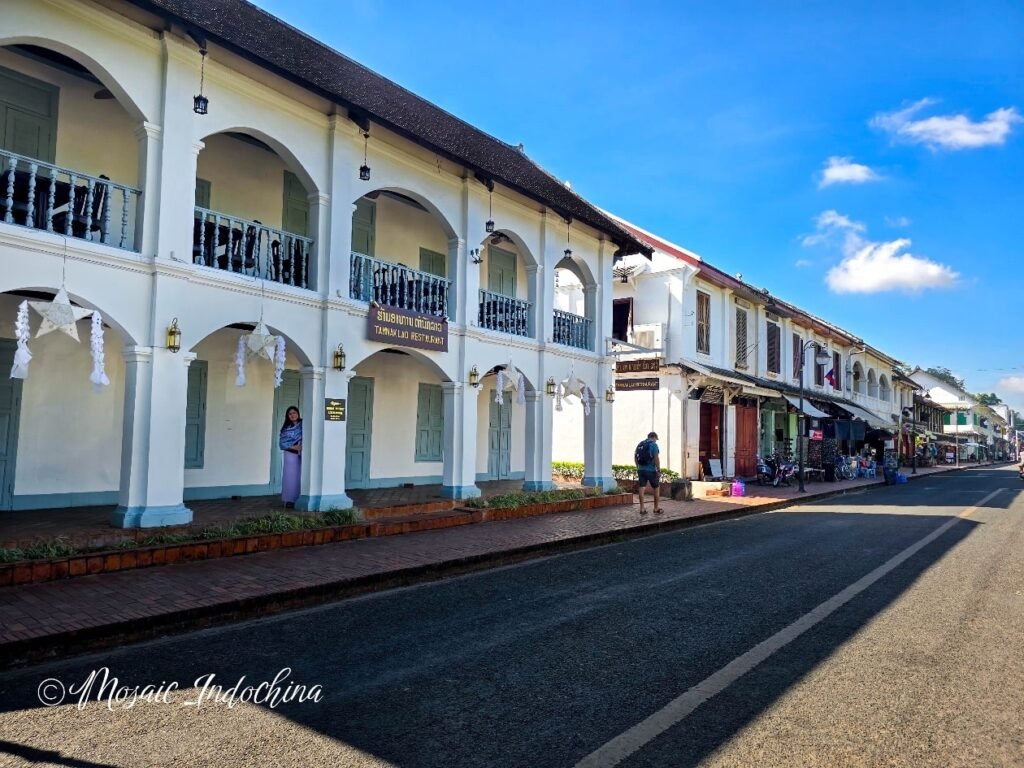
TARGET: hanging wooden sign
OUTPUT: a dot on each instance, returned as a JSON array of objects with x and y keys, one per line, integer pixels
[
  {"x": 631, "y": 385},
  {"x": 407, "y": 329},
  {"x": 642, "y": 365}
]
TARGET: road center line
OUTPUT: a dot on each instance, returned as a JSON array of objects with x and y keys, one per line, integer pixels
[{"x": 622, "y": 746}]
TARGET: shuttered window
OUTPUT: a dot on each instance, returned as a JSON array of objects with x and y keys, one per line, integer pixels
[
  {"x": 703, "y": 323},
  {"x": 429, "y": 423},
  {"x": 819, "y": 370},
  {"x": 797, "y": 344},
  {"x": 837, "y": 370},
  {"x": 774, "y": 348},
  {"x": 195, "y": 415},
  {"x": 741, "y": 338}
]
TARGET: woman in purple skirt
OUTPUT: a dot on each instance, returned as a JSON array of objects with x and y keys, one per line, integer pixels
[{"x": 291, "y": 444}]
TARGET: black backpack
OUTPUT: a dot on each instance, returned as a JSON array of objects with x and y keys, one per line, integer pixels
[{"x": 642, "y": 455}]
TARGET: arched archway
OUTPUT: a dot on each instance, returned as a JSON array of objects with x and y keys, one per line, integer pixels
[
  {"x": 884, "y": 393},
  {"x": 70, "y": 158},
  {"x": 253, "y": 214},
  {"x": 509, "y": 293},
  {"x": 403, "y": 252},
  {"x": 858, "y": 378},
  {"x": 872, "y": 383},
  {"x": 575, "y": 303},
  {"x": 61, "y": 445}
]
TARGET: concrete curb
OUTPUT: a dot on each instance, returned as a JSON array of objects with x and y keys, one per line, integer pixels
[{"x": 97, "y": 638}]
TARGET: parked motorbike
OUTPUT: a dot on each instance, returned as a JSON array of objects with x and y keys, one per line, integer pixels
[
  {"x": 765, "y": 471},
  {"x": 787, "y": 471}
]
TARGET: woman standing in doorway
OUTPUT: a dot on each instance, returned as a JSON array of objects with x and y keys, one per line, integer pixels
[{"x": 291, "y": 444}]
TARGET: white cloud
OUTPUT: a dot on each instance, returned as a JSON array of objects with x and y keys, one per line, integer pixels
[
  {"x": 801, "y": 263},
  {"x": 1010, "y": 384},
  {"x": 955, "y": 131},
  {"x": 897, "y": 221},
  {"x": 877, "y": 267},
  {"x": 873, "y": 267},
  {"x": 842, "y": 170}
]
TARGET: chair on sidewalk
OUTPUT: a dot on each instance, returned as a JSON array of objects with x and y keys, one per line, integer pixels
[{"x": 869, "y": 471}]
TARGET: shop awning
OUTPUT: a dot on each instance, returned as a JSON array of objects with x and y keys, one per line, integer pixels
[
  {"x": 809, "y": 410},
  {"x": 713, "y": 373},
  {"x": 873, "y": 420}
]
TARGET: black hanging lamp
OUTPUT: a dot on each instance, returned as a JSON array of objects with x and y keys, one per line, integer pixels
[
  {"x": 364, "y": 169},
  {"x": 489, "y": 226},
  {"x": 568, "y": 250},
  {"x": 201, "y": 104}
]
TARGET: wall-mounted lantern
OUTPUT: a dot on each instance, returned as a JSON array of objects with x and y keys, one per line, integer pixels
[
  {"x": 474, "y": 377},
  {"x": 339, "y": 358},
  {"x": 174, "y": 336},
  {"x": 549, "y": 388},
  {"x": 609, "y": 394}
]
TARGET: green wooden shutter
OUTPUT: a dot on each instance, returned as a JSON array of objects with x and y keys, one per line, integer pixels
[
  {"x": 433, "y": 262},
  {"x": 501, "y": 272},
  {"x": 203, "y": 193},
  {"x": 28, "y": 116},
  {"x": 364, "y": 226},
  {"x": 295, "y": 216},
  {"x": 195, "y": 415},
  {"x": 429, "y": 423}
]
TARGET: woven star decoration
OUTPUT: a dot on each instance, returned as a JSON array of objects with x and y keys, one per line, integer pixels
[
  {"x": 261, "y": 342},
  {"x": 59, "y": 315}
]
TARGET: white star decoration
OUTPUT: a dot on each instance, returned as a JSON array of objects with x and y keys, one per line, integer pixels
[
  {"x": 59, "y": 315},
  {"x": 261, "y": 342}
]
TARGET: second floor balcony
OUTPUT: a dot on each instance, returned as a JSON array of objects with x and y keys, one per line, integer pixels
[
  {"x": 397, "y": 285},
  {"x": 571, "y": 330},
  {"x": 40, "y": 195}
]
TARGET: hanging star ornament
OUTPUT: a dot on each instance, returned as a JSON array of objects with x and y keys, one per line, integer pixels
[
  {"x": 59, "y": 315},
  {"x": 261, "y": 342}
]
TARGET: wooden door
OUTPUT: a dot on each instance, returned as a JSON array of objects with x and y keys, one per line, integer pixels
[
  {"x": 710, "y": 431},
  {"x": 10, "y": 412},
  {"x": 358, "y": 432},
  {"x": 28, "y": 116},
  {"x": 499, "y": 441},
  {"x": 746, "y": 441},
  {"x": 295, "y": 216},
  {"x": 364, "y": 226}
]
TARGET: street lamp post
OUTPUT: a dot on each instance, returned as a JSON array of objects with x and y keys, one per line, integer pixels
[{"x": 822, "y": 358}]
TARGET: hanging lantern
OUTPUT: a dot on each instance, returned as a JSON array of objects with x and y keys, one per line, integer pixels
[
  {"x": 549, "y": 388},
  {"x": 568, "y": 250},
  {"x": 339, "y": 358},
  {"x": 201, "y": 104},
  {"x": 609, "y": 394},
  {"x": 489, "y": 226},
  {"x": 364, "y": 169},
  {"x": 474, "y": 377},
  {"x": 174, "y": 336}
]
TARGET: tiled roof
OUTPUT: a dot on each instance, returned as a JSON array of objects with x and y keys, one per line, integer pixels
[{"x": 270, "y": 42}]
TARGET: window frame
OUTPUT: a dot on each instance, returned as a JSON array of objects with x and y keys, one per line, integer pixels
[
  {"x": 772, "y": 328},
  {"x": 742, "y": 358},
  {"x": 703, "y": 325}
]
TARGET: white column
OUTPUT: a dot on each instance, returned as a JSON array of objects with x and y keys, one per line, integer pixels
[
  {"x": 691, "y": 464},
  {"x": 343, "y": 194},
  {"x": 592, "y": 310},
  {"x": 463, "y": 299},
  {"x": 460, "y": 419},
  {"x": 323, "y": 443},
  {"x": 535, "y": 295},
  {"x": 550, "y": 255},
  {"x": 147, "y": 210},
  {"x": 729, "y": 439},
  {"x": 179, "y": 151},
  {"x": 539, "y": 439},
  {"x": 153, "y": 439},
  {"x": 319, "y": 268},
  {"x": 597, "y": 437}
]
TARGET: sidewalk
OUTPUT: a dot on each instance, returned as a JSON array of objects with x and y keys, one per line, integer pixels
[{"x": 91, "y": 612}]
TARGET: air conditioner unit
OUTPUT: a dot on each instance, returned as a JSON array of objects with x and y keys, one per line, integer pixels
[{"x": 649, "y": 335}]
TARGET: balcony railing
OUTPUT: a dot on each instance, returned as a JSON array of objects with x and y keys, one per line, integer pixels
[
  {"x": 504, "y": 313},
  {"x": 250, "y": 248},
  {"x": 396, "y": 285},
  {"x": 42, "y": 196},
  {"x": 571, "y": 330}
]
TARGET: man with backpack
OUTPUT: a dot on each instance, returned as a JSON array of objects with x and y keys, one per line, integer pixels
[{"x": 648, "y": 470}]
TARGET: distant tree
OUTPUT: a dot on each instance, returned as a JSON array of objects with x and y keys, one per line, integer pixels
[
  {"x": 988, "y": 398},
  {"x": 946, "y": 375}
]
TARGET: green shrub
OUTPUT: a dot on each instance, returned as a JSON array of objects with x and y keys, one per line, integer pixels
[
  {"x": 614, "y": 491},
  {"x": 628, "y": 472},
  {"x": 340, "y": 516},
  {"x": 523, "y": 499},
  {"x": 570, "y": 470}
]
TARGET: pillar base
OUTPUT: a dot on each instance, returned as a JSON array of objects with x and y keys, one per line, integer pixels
[
  {"x": 539, "y": 485},
  {"x": 323, "y": 503},
  {"x": 603, "y": 483},
  {"x": 150, "y": 517},
  {"x": 459, "y": 491}
]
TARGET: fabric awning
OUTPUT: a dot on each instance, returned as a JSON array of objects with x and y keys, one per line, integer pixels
[
  {"x": 809, "y": 410},
  {"x": 872, "y": 419}
]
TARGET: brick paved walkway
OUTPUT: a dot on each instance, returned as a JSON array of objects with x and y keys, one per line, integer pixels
[{"x": 76, "y": 612}]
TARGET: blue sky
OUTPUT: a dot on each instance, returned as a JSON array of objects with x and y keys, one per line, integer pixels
[{"x": 711, "y": 124}]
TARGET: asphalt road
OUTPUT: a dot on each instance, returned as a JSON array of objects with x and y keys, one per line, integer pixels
[{"x": 918, "y": 661}]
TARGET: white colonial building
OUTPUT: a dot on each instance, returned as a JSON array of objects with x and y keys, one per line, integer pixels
[
  {"x": 172, "y": 167},
  {"x": 727, "y": 388}
]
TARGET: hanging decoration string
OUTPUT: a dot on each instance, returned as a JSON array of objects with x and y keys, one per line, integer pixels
[
  {"x": 499, "y": 396},
  {"x": 99, "y": 374},
  {"x": 22, "y": 356},
  {"x": 240, "y": 362}
]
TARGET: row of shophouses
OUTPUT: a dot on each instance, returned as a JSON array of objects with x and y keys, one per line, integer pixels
[
  {"x": 207, "y": 217},
  {"x": 726, "y": 385}
]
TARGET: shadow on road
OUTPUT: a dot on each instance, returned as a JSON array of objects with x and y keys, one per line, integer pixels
[{"x": 540, "y": 664}]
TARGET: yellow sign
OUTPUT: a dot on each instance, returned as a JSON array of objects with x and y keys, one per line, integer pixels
[{"x": 334, "y": 409}]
